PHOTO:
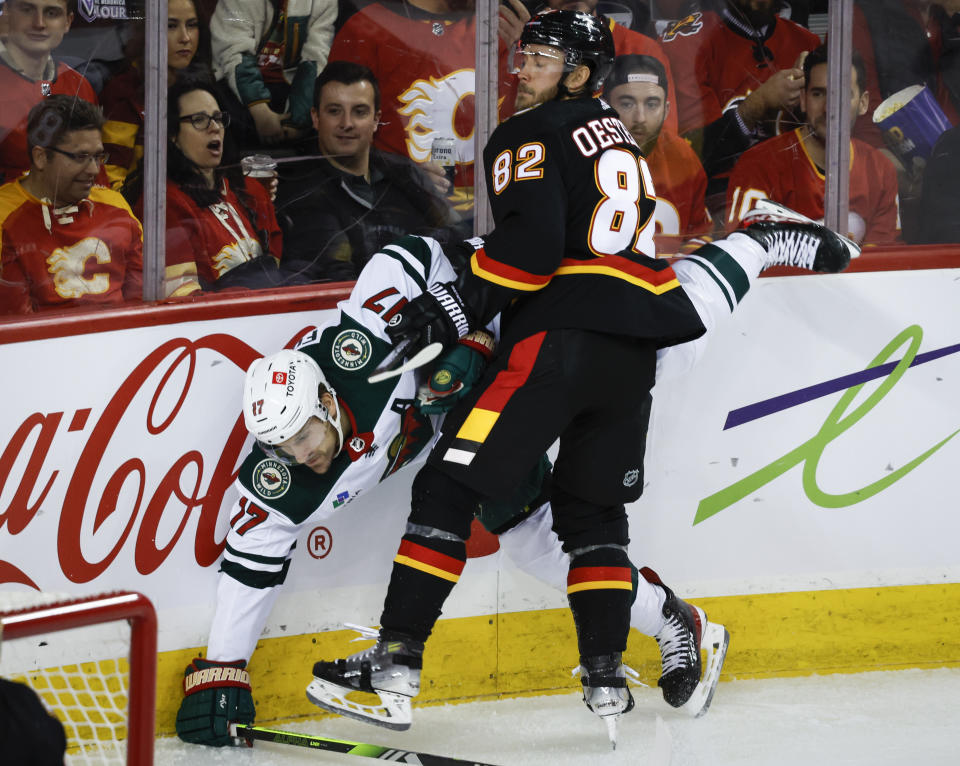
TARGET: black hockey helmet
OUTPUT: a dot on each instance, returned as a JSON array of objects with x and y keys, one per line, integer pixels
[{"x": 583, "y": 38}]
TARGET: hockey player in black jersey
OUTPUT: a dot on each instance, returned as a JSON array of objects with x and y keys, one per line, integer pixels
[{"x": 584, "y": 310}]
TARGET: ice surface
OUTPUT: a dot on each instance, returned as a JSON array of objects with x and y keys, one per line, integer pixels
[{"x": 897, "y": 718}]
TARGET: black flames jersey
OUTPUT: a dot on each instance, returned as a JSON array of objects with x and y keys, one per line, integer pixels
[{"x": 573, "y": 204}]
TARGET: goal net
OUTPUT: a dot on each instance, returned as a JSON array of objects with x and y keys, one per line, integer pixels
[{"x": 92, "y": 661}]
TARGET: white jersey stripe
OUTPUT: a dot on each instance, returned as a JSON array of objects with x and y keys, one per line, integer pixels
[{"x": 409, "y": 258}]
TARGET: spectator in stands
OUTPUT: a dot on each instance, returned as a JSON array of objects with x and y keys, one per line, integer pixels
[
  {"x": 422, "y": 54},
  {"x": 790, "y": 168},
  {"x": 339, "y": 208},
  {"x": 638, "y": 89},
  {"x": 188, "y": 51},
  {"x": 66, "y": 242},
  {"x": 940, "y": 198},
  {"x": 268, "y": 53},
  {"x": 795, "y": 10},
  {"x": 221, "y": 228},
  {"x": 28, "y": 73},
  {"x": 627, "y": 41},
  {"x": 736, "y": 72},
  {"x": 903, "y": 43}
]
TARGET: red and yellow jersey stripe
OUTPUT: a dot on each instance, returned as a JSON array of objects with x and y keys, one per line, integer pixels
[{"x": 616, "y": 266}]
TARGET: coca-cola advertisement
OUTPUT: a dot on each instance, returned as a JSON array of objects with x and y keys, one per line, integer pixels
[{"x": 119, "y": 449}]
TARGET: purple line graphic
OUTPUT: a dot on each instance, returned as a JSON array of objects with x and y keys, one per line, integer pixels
[{"x": 766, "y": 407}]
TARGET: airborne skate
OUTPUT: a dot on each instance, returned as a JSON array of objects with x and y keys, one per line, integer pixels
[
  {"x": 390, "y": 669},
  {"x": 605, "y": 691},
  {"x": 681, "y": 639},
  {"x": 792, "y": 239}
]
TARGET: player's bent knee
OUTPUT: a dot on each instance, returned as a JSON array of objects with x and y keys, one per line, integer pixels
[
  {"x": 440, "y": 502},
  {"x": 580, "y": 523}
]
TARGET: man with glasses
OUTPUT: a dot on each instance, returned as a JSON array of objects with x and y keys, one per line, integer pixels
[
  {"x": 28, "y": 72},
  {"x": 65, "y": 241}
]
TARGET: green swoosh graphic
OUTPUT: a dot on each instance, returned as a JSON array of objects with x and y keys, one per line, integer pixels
[{"x": 837, "y": 422}]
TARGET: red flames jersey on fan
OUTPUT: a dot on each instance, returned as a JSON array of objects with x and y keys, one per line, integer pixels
[
  {"x": 781, "y": 169},
  {"x": 680, "y": 184},
  {"x": 212, "y": 240},
  {"x": 627, "y": 41},
  {"x": 89, "y": 254},
  {"x": 427, "y": 80},
  {"x": 17, "y": 95},
  {"x": 713, "y": 65}
]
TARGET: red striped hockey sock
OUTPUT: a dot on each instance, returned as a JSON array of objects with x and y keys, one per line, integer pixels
[
  {"x": 600, "y": 589},
  {"x": 424, "y": 572}
]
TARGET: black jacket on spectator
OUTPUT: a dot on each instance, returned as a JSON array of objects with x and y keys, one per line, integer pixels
[
  {"x": 903, "y": 53},
  {"x": 333, "y": 221},
  {"x": 940, "y": 197}
]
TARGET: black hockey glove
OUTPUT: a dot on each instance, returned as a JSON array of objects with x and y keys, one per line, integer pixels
[
  {"x": 436, "y": 316},
  {"x": 216, "y": 694}
]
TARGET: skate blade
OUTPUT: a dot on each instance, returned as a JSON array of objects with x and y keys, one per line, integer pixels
[
  {"x": 394, "y": 713},
  {"x": 611, "y": 722},
  {"x": 715, "y": 641}
]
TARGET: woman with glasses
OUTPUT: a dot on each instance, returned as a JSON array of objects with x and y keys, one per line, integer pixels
[
  {"x": 221, "y": 227},
  {"x": 188, "y": 52}
]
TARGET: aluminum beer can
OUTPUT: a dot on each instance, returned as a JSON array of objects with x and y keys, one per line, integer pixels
[{"x": 442, "y": 152}]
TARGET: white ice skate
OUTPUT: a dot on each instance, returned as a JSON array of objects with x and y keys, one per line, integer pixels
[
  {"x": 390, "y": 669},
  {"x": 605, "y": 692}
]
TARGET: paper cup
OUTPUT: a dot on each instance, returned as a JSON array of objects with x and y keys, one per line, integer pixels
[{"x": 911, "y": 121}]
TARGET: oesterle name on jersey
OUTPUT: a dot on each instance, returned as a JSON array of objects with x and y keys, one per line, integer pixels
[{"x": 601, "y": 134}]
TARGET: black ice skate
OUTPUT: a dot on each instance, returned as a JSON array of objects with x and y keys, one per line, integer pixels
[
  {"x": 681, "y": 639},
  {"x": 792, "y": 239},
  {"x": 390, "y": 669},
  {"x": 605, "y": 691}
]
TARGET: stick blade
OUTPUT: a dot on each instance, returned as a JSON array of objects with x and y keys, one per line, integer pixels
[{"x": 393, "y": 364}]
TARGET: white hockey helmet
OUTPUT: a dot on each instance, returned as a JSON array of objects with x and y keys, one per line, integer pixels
[{"x": 280, "y": 394}]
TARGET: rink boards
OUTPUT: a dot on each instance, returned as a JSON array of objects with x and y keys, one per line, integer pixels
[{"x": 800, "y": 486}]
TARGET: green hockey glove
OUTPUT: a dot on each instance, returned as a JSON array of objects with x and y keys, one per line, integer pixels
[
  {"x": 455, "y": 373},
  {"x": 216, "y": 695}
]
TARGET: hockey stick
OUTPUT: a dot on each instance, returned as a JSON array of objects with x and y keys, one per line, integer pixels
[
  {"x": 389, "y": 367},
  {"x": 317, "y": 742}
]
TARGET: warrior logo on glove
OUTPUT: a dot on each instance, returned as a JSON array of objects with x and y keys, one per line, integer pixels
[
  {"x": 449, "y": 301},
  {"x": 436, "y": 316}
]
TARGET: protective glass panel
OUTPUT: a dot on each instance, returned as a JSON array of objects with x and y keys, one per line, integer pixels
[
  {"x": 909, "y": 51},
  {"x": 310, "y": 178},
  {"x": 737, "y": 94},
  {"x": 70, "y": 242}
]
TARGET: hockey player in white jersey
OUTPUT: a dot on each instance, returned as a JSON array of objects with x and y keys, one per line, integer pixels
[{"x": 324, "y": 434}]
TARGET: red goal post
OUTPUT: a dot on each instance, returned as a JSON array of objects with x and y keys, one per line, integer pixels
[{"x": 139, "y": 612}]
